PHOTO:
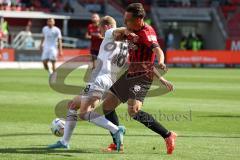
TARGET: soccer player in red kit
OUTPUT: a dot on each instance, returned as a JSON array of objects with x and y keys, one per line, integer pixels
[
  {"x": 134, "y": 84},
  {"x": 93, "y": 33}
]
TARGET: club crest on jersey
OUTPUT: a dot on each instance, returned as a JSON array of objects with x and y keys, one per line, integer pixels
[{"x": 136, "y": 88}]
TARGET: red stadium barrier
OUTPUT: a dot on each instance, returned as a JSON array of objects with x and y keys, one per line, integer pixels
[
  {"x": 203, "y": 57},
  {"x": 7, "y": 55}
]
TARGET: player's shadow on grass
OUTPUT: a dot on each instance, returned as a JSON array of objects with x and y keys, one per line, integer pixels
[
  {"x": 59, "y": 152},
  {"x": 34, "y": 150},
  {"x": 105, "y": 134},
  {"x": 221, "y": 116}
]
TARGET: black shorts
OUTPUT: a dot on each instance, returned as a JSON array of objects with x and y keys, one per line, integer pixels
[
  {"x": 94, "y": 54},
  {"x": 131, "y": 87}
]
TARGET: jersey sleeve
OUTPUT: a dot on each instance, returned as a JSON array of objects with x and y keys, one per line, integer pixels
[
  {"x": 109, "y": 34},
  {"x": 59, "y": 34},
  {"x": 149, "y": 38}
]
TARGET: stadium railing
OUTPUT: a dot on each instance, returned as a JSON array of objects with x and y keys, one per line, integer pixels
[{"x": 23, "y": 39}]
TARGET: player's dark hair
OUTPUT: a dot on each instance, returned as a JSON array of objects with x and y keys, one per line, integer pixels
[{"x": 137, "y": 10}]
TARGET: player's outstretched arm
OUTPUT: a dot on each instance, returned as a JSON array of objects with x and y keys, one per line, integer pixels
[
  {"x": 123, "y": 33},
  {"x": 165, "y": 82},
  {"x": 60, "y": 46},
  {"x": 160, "y": 57},
  {"x": 88, "y": 36},
  {"x": 41, "y": 44}
]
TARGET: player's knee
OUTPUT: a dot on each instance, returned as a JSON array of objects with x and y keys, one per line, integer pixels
[
  {"x": 133, "y": 110},
  {"x": 72, "y": 105},
  {"x": 45, "y": 62},
  {"x": 133, "y": 107},
  {"x": 82, "y": 116},
  {"x": 77, "y": 102}
]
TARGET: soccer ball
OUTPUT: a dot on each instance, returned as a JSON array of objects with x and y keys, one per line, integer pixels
[{"x": 57, "y": 127}]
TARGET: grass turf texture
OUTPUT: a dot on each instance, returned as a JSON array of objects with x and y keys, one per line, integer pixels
[{"x": 204, "y": 110}]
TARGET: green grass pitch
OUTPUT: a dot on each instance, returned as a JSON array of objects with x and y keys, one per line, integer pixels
[{"x": 204, "y": 110}]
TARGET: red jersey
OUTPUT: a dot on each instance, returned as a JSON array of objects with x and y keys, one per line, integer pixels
[
  {"x": 141, "y": 56},
  {"x": 95, "y": 41}
]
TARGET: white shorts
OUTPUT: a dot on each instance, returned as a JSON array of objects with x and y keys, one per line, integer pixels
[
  {"x": 49, "y": 54},
  {"x": 99, "y": 87}
]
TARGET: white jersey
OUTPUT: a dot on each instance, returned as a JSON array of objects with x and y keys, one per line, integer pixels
[
  {"x": 112, "y": 54},
  {"x": 51, "y": 35},
  {"x": 112, "y": 58}
]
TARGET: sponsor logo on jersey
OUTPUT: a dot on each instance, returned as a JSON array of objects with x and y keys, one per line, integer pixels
[{"x": 152, "y": 38}]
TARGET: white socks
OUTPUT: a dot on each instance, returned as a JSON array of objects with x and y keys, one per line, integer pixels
[
  {"x": 92, "y": 117},
  {"x": 70, "y": 124},
  {"x": 100, "y": 121}
]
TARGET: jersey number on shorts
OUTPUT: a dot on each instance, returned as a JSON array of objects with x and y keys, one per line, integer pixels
[{"x": 86, "y": 89}]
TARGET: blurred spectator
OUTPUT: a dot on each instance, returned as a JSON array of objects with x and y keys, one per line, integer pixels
[
  {"x": 1, "y": 42},
  {"x": 199, "y": 42},
  {"x": 186, "y": 3},
  {"x": 183, "y": 43},
  {"x": 193, "y": 42},
  {"x": 68, "y": 7},
  {"x": 3, "y": 33},
  {"x": 57, "y": 6},
  {"x": 27, "y": 3},
  {"x": 4, "y": 29},
  {"x": 29, "y": 41},
  {"x": 16, "y": 5},
  {"x": 190, "y": 39},
  {"x": 170, "y": 40},
  {"x": 38, "y": 5},
  {"x": 46, "y": 4},
  {"x": 6, "y": 2},
  {"x": 4, "y": 26}
]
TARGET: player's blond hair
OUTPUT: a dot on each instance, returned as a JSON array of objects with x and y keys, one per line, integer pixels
[{"x": 108, "y": 20}]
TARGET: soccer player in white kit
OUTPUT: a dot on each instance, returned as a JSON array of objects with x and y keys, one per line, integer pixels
[
  {"x": 52, "y": 39},
  {"x": 111, "y": 59}
]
